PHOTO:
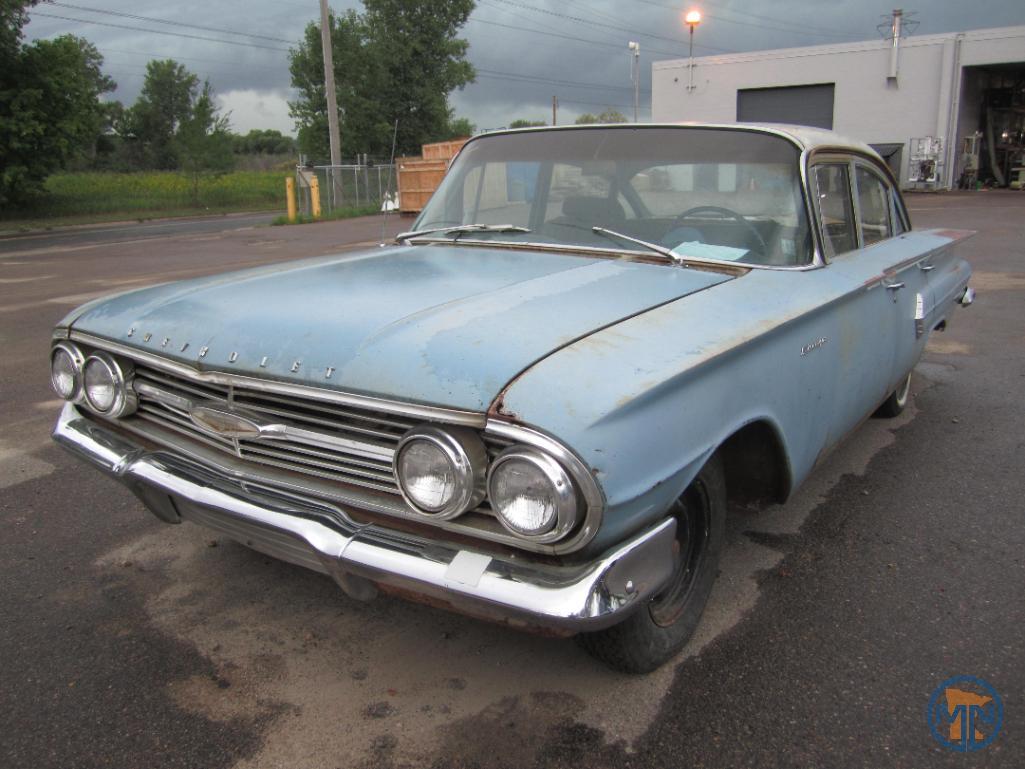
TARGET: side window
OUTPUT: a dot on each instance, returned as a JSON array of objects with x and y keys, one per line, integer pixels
[
  {"x": 873, "y": 205},
  {"x": 833, "y": 190}
]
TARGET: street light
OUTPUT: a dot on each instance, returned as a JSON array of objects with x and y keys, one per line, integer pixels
[
  {"x": 635, "y": 73},
  {"x": 692, "y": 19}
]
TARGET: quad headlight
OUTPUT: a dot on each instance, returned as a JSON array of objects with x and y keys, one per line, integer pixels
[
  {"x": 107, "y": 386},
  {"x": 66, "y": 371},
  {"x": 531, "y": 492},
  {"x": 441, "y": 473},
  {"x": 444, "y": 473}
]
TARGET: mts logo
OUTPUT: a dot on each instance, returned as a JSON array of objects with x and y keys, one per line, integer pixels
[{"x": 965, "y": 714}]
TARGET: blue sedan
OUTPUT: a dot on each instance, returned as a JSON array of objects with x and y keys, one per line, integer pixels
[{"x": 537, "y": 405}]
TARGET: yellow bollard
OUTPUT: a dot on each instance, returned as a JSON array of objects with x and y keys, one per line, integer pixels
[
  {"x": 315, "y": 197},
  {"x": 290, "y": 198}
]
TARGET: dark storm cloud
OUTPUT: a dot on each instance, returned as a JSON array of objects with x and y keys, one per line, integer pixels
[{"x": 526, "y": 51}]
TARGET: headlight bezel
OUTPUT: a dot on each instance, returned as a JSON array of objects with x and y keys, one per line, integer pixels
[
  {"x": 467, "y": 456},
  {"x": 564, "y": 493},
  {"x": 78, "y": 365},
  {"x": 121, "y": 375}
]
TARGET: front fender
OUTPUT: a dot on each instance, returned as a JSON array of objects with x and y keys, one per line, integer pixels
[{"x": 646, "y": 402}]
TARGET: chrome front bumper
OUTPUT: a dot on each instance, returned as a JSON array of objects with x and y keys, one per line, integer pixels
[{"x": 362, "y": 557}]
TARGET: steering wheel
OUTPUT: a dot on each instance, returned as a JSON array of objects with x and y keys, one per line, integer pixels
[{"x": 729, "y": 213}]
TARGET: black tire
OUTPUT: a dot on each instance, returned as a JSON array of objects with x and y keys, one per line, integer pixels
[
  {"x": 898, "y": 400},
  {"x": 654, "y": 633}
]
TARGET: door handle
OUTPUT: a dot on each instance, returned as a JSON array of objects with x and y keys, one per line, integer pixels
[
  {"x": 927, "y": 267},
  {"x": 894, "y": 286}
]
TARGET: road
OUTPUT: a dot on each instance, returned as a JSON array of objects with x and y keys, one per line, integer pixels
[
  {"x": 900, "y": 563},
  {"x": 127, "y": 232}
]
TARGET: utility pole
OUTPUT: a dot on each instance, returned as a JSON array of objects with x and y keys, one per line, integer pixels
[
  {"x": 329, "y": 86},
  {"x": 635, "y": 74},
  {"x": 555, "y": 110}
]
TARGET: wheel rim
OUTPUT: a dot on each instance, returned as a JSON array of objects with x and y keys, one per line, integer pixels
[
  {"x": 692, "y": 530},
  {"x": 902, "y": 393}
]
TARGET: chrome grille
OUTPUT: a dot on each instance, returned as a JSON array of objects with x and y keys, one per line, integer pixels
[{"x": 339, "y": 443}]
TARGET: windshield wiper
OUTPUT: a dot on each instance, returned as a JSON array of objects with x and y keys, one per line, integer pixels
[
  {"x": 668, "y": 253},
  {"x": 462, "y": 228}
]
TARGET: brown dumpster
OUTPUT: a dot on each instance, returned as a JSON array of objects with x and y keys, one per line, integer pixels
[
  {"x": 443, "y": 150},
  {"x": 418, "y": 179}
]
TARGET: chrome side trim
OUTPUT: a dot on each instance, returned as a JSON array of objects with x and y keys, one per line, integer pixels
[
  {"x": 566, "y": 597},
  {"x": 429, "y": 413},
  {"x": 581, "y": 474}
]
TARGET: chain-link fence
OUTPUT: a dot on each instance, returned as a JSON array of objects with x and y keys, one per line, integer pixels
[{"x": 356, "y": 185}]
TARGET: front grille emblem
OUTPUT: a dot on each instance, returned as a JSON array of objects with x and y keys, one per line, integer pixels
[{"x": 223, "y": 422}]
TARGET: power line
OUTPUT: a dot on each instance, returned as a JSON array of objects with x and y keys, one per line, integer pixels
[
  {"x": 617, "y": 27},
  {"x": 158, "y": 31},
  {"x": 586, "y": 41},
  {"x": 498, "y": 74},
  {"x": 153, "y": 20},
  {"x": 787, "y": 26},
  {"x": 598, "y": 104},
  {"x": 151, "y": 56}
]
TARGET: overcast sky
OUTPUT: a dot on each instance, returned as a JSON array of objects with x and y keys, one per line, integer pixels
[{"x": 525, "y": 51}]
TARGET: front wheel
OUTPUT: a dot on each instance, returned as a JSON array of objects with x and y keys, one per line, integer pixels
[
  {"x": 656, "y": 632},
  {"x": 894, "y": 405}
]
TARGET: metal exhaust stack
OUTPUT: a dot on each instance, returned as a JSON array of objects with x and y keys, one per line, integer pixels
[{"x": 898, "y": 15}]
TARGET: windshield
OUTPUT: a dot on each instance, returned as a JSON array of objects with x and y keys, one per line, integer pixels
[{"x": 701, "y": 193}]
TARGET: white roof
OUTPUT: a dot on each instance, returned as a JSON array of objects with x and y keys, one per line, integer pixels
[{"x": 806, "y": 137}]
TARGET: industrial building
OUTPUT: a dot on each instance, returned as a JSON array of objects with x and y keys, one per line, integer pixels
[{"x": 944, "y": 110}]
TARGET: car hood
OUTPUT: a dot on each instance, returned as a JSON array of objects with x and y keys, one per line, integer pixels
[{"x": 435, "y": 324}]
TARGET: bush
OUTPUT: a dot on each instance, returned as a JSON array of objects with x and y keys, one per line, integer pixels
[{"x": 90, "y": 193}]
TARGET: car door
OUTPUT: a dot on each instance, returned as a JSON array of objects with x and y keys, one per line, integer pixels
[
  {"x": 865, "y": 317},
  {"x": 903, "y": 261}
]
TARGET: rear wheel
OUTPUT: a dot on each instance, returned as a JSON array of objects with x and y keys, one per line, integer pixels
[
  {"x": 656, "y": 632},
  {"x": 894, "y": 405}
]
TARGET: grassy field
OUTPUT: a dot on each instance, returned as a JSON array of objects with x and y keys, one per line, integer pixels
[{"x": 95, "y": 196}]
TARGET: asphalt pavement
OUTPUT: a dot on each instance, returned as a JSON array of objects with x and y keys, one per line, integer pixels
[
  {"x": 124, "y": 232},
  {"x": 900, "y": 563}
]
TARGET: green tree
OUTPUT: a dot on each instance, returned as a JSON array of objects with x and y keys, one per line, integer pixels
[
  {"x": 456, "y": 128},
  {"x": 263, "y": 142},
  {"x": 202, "y": 142},
  {"x": 50, "y": 108},
  {"x": 357, "y": 80},
  {"x": 521, "y": 123},
  {"x": 13, "y": 17},
  {"x": 608, "y": 116},
  {"x": 398, "y": 60},
  {"x": 166, "y": 101}
]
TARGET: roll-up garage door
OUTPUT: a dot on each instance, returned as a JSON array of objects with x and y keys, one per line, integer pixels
[{"x": 810, "y": 105}]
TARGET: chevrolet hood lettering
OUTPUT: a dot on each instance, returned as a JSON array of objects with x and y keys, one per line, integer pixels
[{"x": 436, "y": 324}]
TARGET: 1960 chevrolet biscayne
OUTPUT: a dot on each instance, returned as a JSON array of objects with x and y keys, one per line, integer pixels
[{"x": 536, "y": 405}]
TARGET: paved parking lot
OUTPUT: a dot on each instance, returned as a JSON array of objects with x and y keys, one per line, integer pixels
[{"x": 127, "y": 643}]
